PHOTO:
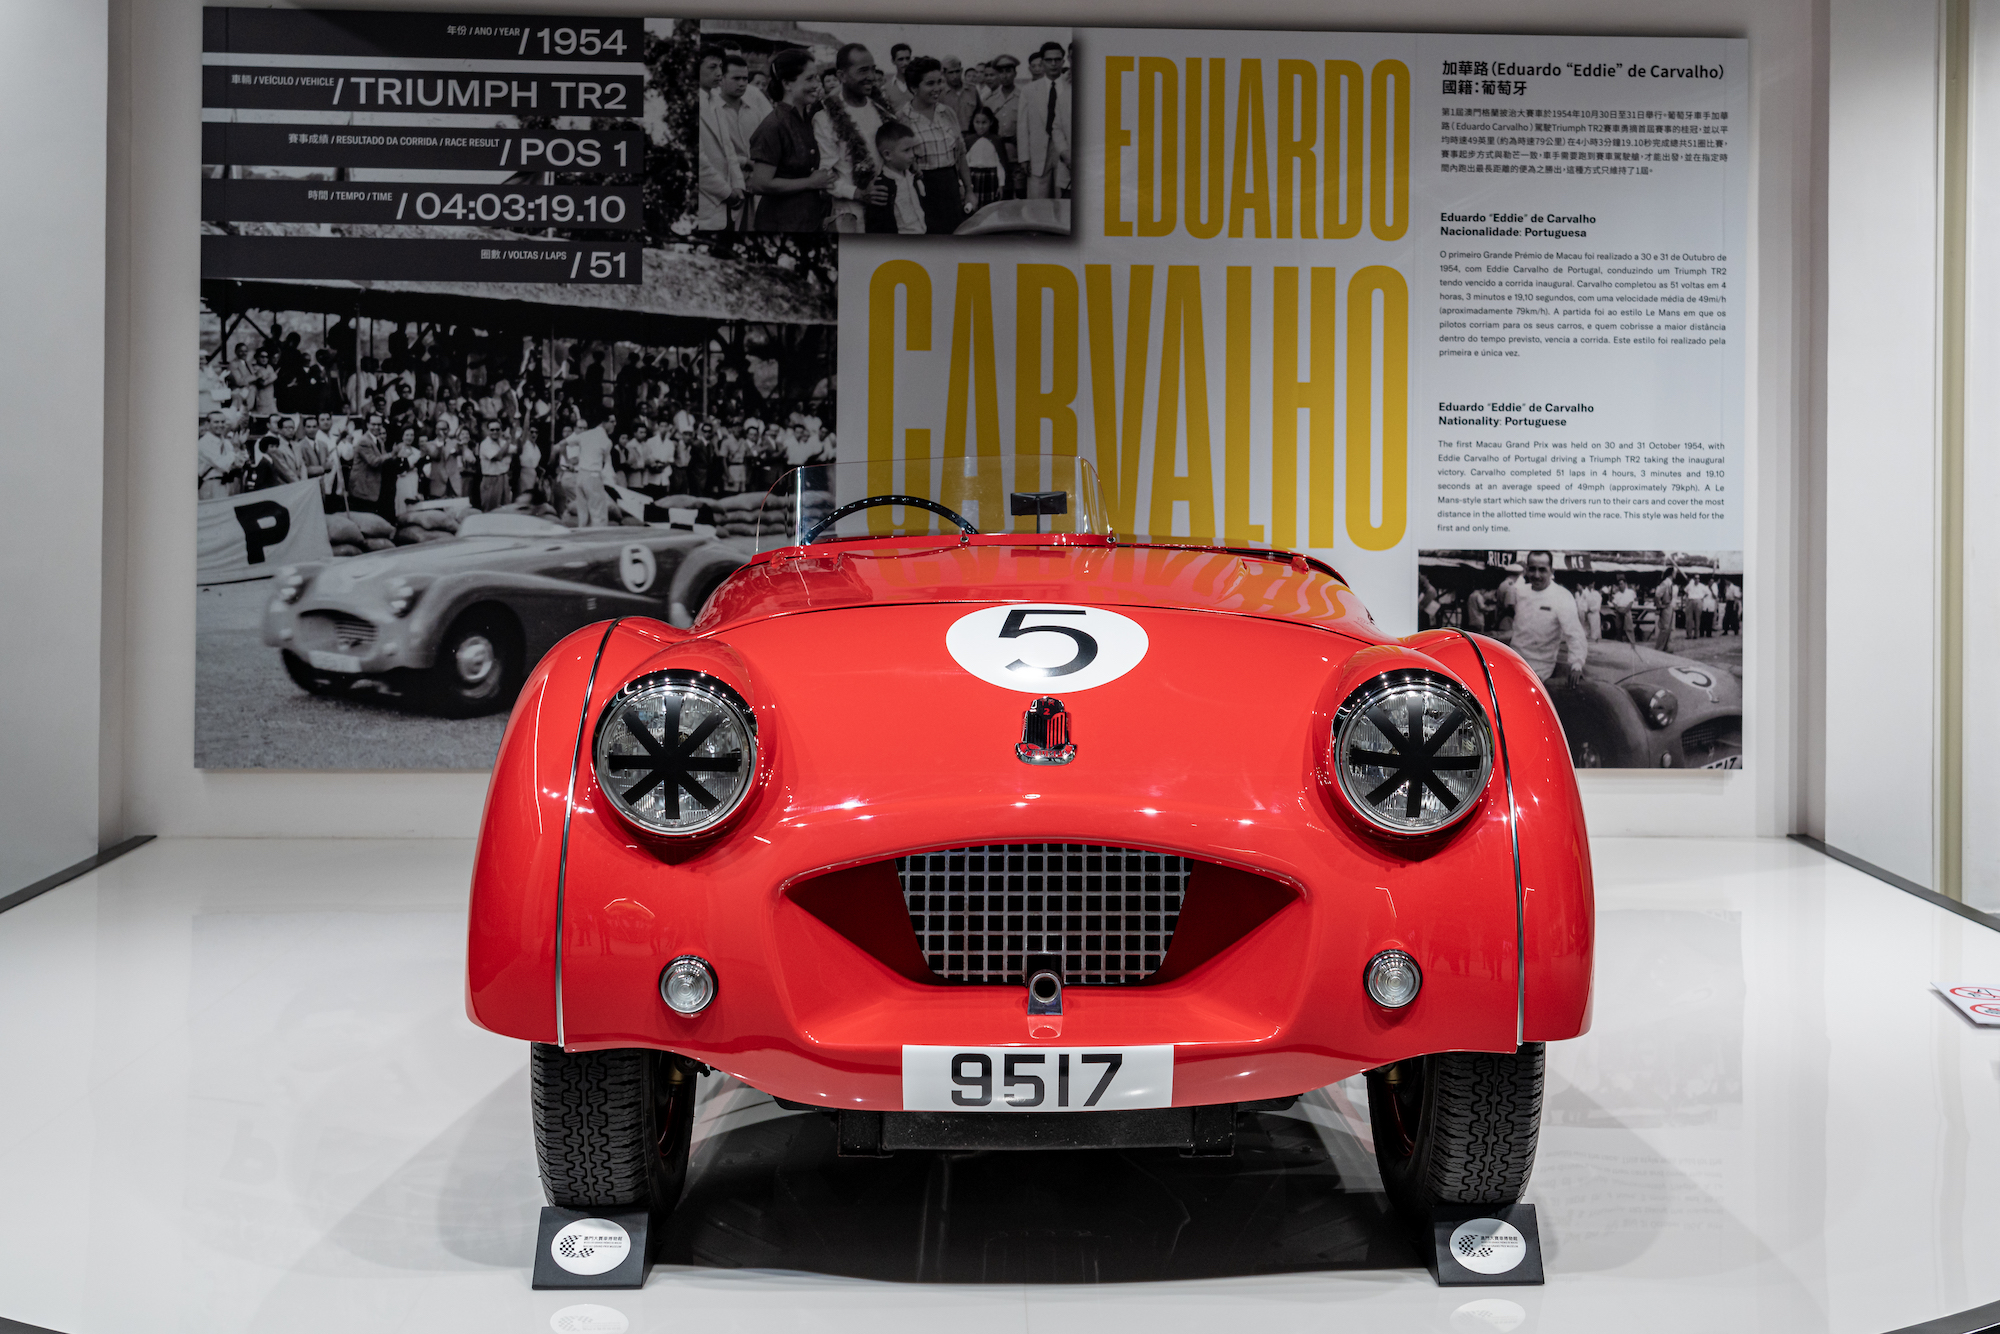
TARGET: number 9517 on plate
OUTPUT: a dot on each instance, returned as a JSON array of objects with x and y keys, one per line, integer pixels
[{"x": 1037, "y": 1079}]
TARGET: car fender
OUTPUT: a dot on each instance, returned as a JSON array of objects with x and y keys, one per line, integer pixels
[
  {"x": 1558, "y": 917},
  {"x": 545, "y": 607},
  {"x": 512, "y": 960}
]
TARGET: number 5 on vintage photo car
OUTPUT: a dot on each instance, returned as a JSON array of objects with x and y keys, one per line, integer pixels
[
  {"x": 966, "y": 823},
  {"x": 1049, "y": 1079}
]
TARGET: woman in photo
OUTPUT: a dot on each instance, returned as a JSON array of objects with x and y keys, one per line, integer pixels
[
  {"x": 940, "y": 147},
  {"x": 786, "y": 175},
  {"x": 984, "y": 161}
]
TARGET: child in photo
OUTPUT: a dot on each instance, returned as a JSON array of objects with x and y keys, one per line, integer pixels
[
  {"x": 984, "y": 158},
  {"x": 894, "y": 204}
]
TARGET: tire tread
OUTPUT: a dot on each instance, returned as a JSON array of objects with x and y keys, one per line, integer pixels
[{"x": 591, "y": 1125}]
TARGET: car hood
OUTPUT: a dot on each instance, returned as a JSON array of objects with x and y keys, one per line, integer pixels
[
  {"x": 1190, "y": 579},
  {"x": 1623, "y": 664}
]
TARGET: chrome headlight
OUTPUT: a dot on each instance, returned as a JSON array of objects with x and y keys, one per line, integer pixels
[
  {"x": 402, "y": 596},
  {"x": 676, "y": 752},
  {"x": 1658, "y": 707},
  {"x": 291, "y": 583},
  {"x": 1411, "y": 751}
]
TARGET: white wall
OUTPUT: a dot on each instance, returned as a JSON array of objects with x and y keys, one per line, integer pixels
[
  {"x": 52, "y": 100},
  {"x": 1882, "y": 434},
  {"x": 1981, "y": 610},
  {"x": 166, "y": 794}
]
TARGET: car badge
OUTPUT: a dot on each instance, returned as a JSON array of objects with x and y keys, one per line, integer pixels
[{"x": 1045, "y": 734}]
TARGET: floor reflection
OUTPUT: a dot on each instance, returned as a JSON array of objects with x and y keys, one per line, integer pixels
[{"x": 769, "y": 1193}]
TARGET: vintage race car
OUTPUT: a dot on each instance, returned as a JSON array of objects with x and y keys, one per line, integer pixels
[
  {"x": 458, "y": 622},
  {"x": 1029, "y": 839},
  {"x": 1640, "y": 708}
]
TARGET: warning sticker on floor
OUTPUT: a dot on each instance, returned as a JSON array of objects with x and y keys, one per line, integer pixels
[{"x": 1979, "y": 1004}]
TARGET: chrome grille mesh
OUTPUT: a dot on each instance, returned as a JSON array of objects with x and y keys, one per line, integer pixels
[{"x": 979, "y": 913}]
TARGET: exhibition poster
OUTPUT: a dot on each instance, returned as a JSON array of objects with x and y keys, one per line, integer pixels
[{"x": 544, "y": 306}]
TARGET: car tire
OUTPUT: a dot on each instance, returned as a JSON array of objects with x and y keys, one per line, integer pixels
[
  {"x": 478, "y": 667},
  {"x": 1457, "y": 1127},
  {"x": 612, "y": 1128},
  {"x": 314, "y": 681}
]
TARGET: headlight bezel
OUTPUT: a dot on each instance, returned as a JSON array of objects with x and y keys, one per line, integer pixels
[
  {"x": 1657, "y": 705},
  {"x": 717, "y": 694},
  {"x": 1355, "y": 709}
]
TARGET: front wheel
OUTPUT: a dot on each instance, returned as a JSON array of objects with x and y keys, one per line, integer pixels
[
  {"x": 478, "y": 668},
  {"x": 612, "y": 1128},
  {"x": 1457, "y": 1127}
]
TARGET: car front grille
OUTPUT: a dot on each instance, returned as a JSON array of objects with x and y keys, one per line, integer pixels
[
  {"x": 981, "y": 913},
  {"x": 1711, "y": 738},
  {"x": 339, "y": 630}
]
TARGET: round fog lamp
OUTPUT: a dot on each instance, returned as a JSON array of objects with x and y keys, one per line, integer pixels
[
  {"x": 1392, "y": 979},
  {"x": 688, "y": 985}
]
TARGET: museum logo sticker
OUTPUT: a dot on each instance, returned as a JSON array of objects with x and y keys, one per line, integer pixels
[
  {"x": 1488, "y": 1245},
  {"x": 590, "y": 1246},
  {"x": 1046, "y": 648}
]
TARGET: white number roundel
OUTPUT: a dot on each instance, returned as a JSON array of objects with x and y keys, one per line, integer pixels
[{"x": 1046, "y": 648}]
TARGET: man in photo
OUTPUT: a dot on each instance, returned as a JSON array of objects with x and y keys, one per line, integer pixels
[
  {"x": 1589, "y": 610},
  {"x": 960, "y": 95},
  {"x": 901, "y": 209},
  {"x": 1624, "y": 603},
  {"x": 1666, "y": 599},
  {"x": 1547, "y": 632},
  {"x": 1003, "y": 98},
  {"x": 844, "y": 129},
  {"x": 496, "y": 461},
  {"x": 896, "y": 89},
  {"x": 729, "y": 117},
  {"x": 1044, "y": 128}
]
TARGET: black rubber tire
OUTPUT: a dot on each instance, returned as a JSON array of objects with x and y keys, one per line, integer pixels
[
  {"x": 498, "y": 643},
  {"x": 611, "y": 1127},
  {"x": 314, "y": 681},
  {"x": 1457, "y": 1127}
]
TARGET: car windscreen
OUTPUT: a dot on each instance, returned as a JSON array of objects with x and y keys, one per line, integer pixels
[{"x": 843, "y": 502}]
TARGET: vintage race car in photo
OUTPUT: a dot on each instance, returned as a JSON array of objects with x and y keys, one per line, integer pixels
[
  {"x": 1640, "y": 708},
  {"x": 459, "y": 622},
  {"x": 1029, "y": 838}
]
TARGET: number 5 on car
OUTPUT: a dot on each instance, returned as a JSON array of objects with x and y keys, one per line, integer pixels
[{"x": 1043, "y": 1079}]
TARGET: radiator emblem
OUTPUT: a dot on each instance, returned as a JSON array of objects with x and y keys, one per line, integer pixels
[{"x": 1045, "y": 734}]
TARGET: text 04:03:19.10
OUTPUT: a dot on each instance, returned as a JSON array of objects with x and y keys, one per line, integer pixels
[{"x": 580, "y": 208}]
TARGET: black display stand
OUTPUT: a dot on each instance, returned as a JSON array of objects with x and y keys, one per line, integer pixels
[
  {"x": 1484, "y": 1245},
  {"x": 592, "y": 1248}
]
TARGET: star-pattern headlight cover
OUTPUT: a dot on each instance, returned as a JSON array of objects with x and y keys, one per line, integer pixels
[
  {"x": 676, "y": 752},
  {"x": 1412, "y": 751}
]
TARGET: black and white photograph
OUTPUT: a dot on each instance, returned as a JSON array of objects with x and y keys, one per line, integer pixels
[
  {"x": 1642, "y": 651},
  {"x": 410, "y": 487},
  {"x": 896, "y": 128}
]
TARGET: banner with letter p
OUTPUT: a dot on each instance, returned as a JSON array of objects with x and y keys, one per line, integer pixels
[{"x": 251, "y": 535}]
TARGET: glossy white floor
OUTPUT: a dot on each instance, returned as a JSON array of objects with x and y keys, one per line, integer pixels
[{"x": 240, "y": 1093}]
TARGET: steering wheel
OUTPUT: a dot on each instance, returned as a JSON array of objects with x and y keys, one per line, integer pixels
[{"x": 869, "y": 502}]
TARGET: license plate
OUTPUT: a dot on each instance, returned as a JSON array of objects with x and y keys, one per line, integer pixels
[
  {"x": 333, "y": 662},
  {"x": 1037, "y": 1079},
  {"x": 1726, "y": 762}
]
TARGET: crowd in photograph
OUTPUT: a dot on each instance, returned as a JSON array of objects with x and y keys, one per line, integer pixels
[
  {"x": 549, "y": 438},
  {"x": 847, "y": 145},
  {"x": 1633, "y": 607}
]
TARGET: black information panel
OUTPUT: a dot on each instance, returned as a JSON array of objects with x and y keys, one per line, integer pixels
[{"x": 458, "y": 148}]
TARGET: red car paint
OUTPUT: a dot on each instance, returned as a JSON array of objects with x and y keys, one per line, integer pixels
[{"x": 874, "y": 742}]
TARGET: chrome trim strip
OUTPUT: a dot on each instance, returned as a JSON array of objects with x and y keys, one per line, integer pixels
[
  {"x": 569, "y": 809},
  {"x": 1514, "y": 831}
]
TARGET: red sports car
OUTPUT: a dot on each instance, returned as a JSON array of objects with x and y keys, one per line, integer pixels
[{"x": 1035, "y": 838}]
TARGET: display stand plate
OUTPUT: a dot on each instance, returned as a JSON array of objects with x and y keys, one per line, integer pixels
[
  {"x": 1484, "y": 1245},
  {"x": 586, "y": 1248}
]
